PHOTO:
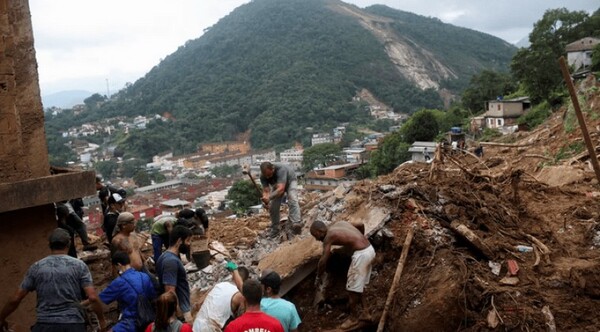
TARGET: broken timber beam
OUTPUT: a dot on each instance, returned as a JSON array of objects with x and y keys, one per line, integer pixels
[
  {"x": 397, "y": 275},
  {"x": 471, "y": 238}
]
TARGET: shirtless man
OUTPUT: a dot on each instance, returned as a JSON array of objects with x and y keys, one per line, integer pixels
[
  {"x": 345, "y": 234},
  {"x": 123, "y": 242}
]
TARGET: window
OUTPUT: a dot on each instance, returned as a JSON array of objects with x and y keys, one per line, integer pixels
[
  {"x": 499, "y": 107},
  {"x": 499, "y": 122}
]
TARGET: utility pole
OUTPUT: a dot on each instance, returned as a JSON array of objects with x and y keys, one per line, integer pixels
[{"x": 107, "y": 90}]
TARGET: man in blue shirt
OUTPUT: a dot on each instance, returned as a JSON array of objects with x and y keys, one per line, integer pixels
[
  {"x": 271, "y": 304},
  {"x": 170, "y": 270},
  {"x": 125, "y": 290}
]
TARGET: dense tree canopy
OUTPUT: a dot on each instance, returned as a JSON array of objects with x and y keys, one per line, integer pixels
[
  {"x": 422, "y": 126},
  {"x": 536, "y": 67},
  {"x": 485, "y": 86}
]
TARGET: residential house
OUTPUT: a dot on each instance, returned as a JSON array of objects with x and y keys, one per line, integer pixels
[
  {"x": 579, "y": 53},
  {"x": 174, "y": 205},
  {"x": 329, "y": 178},
  {"x": 422, "y": 151},
  {"x": 355, "y": 155},
  {"x": 504, "y": 113}
]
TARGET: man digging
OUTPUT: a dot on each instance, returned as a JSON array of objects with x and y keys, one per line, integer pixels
[{"x": 345, "y": 234}]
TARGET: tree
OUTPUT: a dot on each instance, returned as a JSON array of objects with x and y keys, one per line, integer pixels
[
  {"x": 392, "y": 152},
  {"x": 485, "y": 86},
  {"x": 106, "y": 168},
  {"x": 320, "y": 155},
  {"x": 536, "y": 67},
  {"x": 243, "y": 195},
  {"x": 94, "y": 100},
  {"x": 596, "y": 58},
  {"x": 141, "y": 178},
  {"x": 422, "y": 126},
  {"x": 130, "y": 167}
]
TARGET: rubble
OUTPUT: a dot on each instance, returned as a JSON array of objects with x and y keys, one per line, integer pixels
[{"x": 498, "y": 241}]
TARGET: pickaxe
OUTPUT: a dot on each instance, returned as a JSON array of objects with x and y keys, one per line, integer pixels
[{"x": 258, "y": 191}]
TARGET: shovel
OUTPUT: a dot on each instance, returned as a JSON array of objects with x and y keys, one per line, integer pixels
[{"x": 320, "y": 290}]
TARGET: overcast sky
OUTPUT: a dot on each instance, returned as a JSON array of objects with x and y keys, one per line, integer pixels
[{"x": 83, "y": 44}]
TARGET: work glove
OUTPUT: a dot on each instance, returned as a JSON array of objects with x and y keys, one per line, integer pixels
[{"x": 231, "y": 266}]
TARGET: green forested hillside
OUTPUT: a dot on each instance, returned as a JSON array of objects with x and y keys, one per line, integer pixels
[{"x": 278, "y": 66}]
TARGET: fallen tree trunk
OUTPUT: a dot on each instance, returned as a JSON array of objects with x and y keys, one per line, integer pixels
[{"x": 399, "y": 268}]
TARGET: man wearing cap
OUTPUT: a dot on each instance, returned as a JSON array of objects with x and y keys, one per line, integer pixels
[
  {"x": 223, "y": 302},
  {"x": 273, "y": 305},
  {"x": 58, "y": 281},
  {"x": 344, "y": 234},
  {"x": 253, "y": 319},
  {"x": 116, "y": 204},
  {"x": 278, "y": 179}
]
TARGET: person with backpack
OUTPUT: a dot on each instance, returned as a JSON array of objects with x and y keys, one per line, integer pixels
[
  {"x": 166, "y": 319},
  {"x": 134, "y": 292}
]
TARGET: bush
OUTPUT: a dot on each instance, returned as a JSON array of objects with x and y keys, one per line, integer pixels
[{"x": 536, "y": 116}]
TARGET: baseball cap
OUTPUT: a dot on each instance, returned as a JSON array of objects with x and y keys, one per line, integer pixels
[
  {"x": 115, "y": 198},
  {"x": 270, "y": 278},
  {"x": 59, "y": 236}
]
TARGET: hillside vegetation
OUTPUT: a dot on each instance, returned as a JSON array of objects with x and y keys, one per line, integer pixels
[{"x": 278, "y": 66}]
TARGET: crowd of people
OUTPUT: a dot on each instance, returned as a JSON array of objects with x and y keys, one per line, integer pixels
[{"x": 160, "y": 300}]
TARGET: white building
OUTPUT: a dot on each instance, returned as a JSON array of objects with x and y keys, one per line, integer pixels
[
  {"x": 423, "y": 151},
  {"x": 579, "y": 53},
  {"x": 320, "y": 139},
  {"x": 293, "y": 157}
]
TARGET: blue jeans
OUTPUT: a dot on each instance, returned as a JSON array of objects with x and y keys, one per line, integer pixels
[{"x": 158, "y": 241}]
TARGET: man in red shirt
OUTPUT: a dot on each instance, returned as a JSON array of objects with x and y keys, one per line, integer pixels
[{"x": 253, "y": 319}]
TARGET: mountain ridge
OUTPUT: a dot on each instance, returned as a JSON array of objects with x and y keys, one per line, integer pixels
[{"x": 277, "y": 66}]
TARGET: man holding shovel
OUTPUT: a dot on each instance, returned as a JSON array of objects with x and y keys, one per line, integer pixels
[{"x": 278, "y": 179}]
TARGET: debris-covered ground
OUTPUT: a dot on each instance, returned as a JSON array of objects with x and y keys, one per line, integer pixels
[{"x": 507, "y": 242}]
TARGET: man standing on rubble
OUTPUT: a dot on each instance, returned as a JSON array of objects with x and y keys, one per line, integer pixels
[
  {"x": 59, "y": 282},
  {"x": 116, "y": 205},
  {"x": 171, "y": 273},
  {"x": 278, "y": 179},
  {"x": 223, "y": 302},
  {"x": 344, "y": 234}
]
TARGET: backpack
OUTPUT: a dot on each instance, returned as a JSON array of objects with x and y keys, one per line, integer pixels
[{"x": 145, "y": 309}]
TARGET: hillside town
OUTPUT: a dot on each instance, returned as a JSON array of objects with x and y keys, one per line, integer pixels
[{"x": 482, "y": 215}]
